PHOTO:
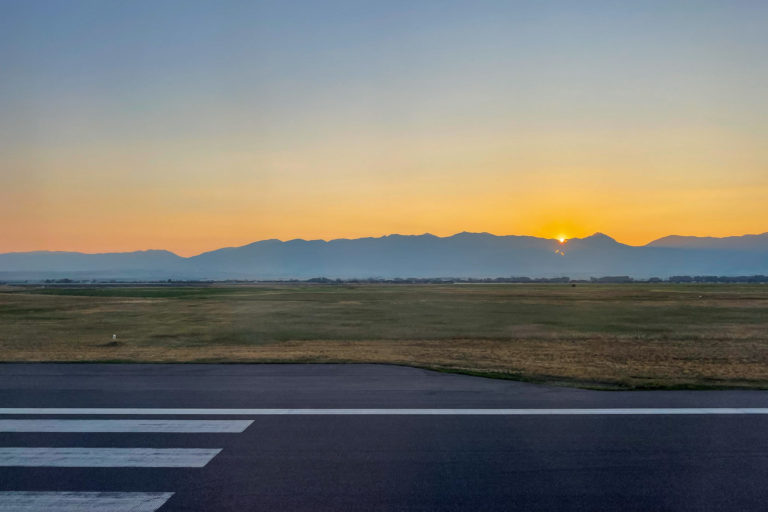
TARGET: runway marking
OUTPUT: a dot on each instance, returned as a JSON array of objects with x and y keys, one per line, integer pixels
[
  {"x": 394, "y": 412},
  {"x": 107, "y": 457},
  {"x": 146, "y": 426},
  {"x": 18, "y": 501}
]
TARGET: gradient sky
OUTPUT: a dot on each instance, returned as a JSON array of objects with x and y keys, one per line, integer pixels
[{"x": 191, "y": 125}]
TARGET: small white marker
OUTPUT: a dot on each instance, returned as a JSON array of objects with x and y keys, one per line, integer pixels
[{"x": 114, "y": 336}]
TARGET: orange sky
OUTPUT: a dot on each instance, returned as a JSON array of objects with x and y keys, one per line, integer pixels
[
  {"x": 207, "y": 199},
  {"x": 201, "y": 128}
]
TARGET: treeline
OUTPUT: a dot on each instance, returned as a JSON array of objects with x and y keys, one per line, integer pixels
[
  {"x": 719, "y": 279},
  {"x": 439, "y": 280},
  {"x": 408, "y": 280},
  {"x": 603, "y": 279}
]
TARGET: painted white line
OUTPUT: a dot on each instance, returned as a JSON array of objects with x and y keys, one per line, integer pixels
[
  {"x": 17, "y": 501},
  {"x": 446, "y": 412},
  {"x": 149, "y": 426},
  {"x": 108, "y": 457}
]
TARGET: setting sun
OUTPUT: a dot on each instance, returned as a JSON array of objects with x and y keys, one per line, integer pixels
[{"x": 562, "y": 238}]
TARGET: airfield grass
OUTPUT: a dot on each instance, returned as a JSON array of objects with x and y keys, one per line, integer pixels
[{"x": 630, "y": 336}]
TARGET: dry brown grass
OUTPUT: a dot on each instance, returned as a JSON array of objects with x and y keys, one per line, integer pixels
[{"x": 603, "y": 336}]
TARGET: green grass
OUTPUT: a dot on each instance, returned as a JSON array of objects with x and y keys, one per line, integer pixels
[{"x": 155, "y": 292}]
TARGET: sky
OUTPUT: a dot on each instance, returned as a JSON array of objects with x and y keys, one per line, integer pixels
[{"x": 189, "y": 126}]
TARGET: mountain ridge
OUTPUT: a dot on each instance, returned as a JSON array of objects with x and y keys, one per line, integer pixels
[
  {"x": 464, "y": 254},
  {"x": 712, "y": 242}
]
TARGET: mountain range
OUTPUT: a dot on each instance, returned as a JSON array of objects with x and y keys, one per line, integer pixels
[{"x": 463, "y": 255}]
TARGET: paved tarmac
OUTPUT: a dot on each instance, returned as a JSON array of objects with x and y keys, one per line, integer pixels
[{"x": 366, "y": 437}]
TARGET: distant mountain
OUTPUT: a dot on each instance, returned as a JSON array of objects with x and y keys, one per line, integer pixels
[
  {"x": 473, "y": 255},
  {"x": 118, "y": 265},
  {"x": 466, "y": 254},
  {"x": 745, "y": 242}
]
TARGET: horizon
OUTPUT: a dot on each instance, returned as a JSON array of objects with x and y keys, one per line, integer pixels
[
  {"x": 563, "y": 241},
  {"x": 193, "y": 126}
]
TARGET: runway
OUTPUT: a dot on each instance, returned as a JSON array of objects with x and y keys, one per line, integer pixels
[{"x": 366, "y": 437}]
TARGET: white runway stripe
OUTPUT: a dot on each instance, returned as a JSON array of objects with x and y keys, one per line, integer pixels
[
  {"x": 108, "y": 457},
  {"x": 448, "y": 412},
  {"x": 16, "y": 501},
  {"x": 148, "y": 426}
]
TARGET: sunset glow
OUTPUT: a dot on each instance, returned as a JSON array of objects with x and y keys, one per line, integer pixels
[{"x": 188, "y": 126}]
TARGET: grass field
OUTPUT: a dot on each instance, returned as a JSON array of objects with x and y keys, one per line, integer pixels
[{"x": 608, "y": 336}]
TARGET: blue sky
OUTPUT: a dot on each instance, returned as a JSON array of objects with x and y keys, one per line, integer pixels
[{"x": 322, "y": 119}]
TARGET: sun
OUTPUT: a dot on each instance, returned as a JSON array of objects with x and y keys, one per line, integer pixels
[{"x": 562, "y": 238}]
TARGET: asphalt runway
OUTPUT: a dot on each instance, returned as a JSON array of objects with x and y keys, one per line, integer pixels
[{"x": 280, "y": 437}]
